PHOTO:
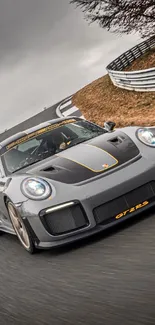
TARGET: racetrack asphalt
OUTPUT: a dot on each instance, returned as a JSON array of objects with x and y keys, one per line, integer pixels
[{"x": 108, "y": 279}]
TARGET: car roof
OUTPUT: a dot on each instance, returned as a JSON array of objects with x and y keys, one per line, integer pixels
[{"x": 21, "y": 134}]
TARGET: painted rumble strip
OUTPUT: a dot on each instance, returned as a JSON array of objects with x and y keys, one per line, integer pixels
[{"x": 66, "y": 108}]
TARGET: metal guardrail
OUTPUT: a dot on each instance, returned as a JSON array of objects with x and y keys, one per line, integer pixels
[
  {"x": 58, "y": 111},
  {"x": 141, "y": 80}
]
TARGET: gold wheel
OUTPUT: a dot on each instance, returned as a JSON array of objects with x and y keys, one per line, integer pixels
[{"x": 20, "y": 228}]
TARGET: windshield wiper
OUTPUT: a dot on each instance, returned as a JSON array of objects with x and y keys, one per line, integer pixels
[
  {"x": 80, "y": 141},
  {"x": 75, "y": 144}
]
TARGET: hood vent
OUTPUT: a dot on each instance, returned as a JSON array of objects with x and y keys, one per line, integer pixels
[
  {"x": 116, "y": 140},
  {"x": 48, "y": 169}
]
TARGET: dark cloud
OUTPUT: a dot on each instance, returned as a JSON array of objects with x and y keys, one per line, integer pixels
[
  {"x": 25, "y": 25},
  {"x": 47, "y": 52}
]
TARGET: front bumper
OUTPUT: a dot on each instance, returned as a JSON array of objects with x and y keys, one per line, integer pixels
[{"x": 105, "y": 192}]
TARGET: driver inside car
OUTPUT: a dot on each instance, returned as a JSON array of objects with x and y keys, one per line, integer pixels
[
  {"x": 59, "y": 141},
  {"x": 53, "y": 144},
  {"x": 49, "y": 146}
]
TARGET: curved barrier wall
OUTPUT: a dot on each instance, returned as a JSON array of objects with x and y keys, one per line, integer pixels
[{"x": 141, "y": 80}]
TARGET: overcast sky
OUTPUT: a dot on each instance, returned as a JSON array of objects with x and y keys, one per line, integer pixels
[{"x": 48, "y": 51}]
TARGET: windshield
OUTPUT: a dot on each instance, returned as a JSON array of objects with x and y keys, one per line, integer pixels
[{"x": 51, "y": 140}]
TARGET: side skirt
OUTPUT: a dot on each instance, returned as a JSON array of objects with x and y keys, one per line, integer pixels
[{"x": 7, "y": 229}]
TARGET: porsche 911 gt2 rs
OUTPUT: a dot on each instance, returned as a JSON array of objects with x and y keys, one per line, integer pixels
[{"x": 69, "y": 178}]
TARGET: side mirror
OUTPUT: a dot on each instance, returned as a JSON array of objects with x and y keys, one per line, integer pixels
[{"x": 109, "y": 126}]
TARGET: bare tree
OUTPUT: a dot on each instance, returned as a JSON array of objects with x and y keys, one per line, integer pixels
[{"x": 121, "y": 16}]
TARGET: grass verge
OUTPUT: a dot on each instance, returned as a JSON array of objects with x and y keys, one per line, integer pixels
[{"x": 101, "y": 100}]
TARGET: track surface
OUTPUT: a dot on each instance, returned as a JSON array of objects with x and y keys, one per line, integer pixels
[{"x": 109, "y": 279}]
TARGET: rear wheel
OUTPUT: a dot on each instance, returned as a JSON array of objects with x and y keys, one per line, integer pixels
[{"x": 20, "y": 228}]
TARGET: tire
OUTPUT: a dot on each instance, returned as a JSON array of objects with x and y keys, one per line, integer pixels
[{"x": 20, "y": 228}]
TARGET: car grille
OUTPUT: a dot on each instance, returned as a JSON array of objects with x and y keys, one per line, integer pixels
[
  {"x": 106, "y": 212},
  {"x": 65, "y": 220}
]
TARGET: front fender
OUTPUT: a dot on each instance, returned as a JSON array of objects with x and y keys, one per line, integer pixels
[{"x": 13, "y": 190}]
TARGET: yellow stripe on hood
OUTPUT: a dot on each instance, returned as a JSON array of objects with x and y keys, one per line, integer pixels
[{"x": 91, "y": 157}]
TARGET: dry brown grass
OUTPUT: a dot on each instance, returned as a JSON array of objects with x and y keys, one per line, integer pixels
[
  {"x": 101, "y": 100},
  {"x": 144, "y": 62}
]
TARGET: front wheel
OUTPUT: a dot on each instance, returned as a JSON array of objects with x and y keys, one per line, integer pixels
[{"x": 20, "y": 228}]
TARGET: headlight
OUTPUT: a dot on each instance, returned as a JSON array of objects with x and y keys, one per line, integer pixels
[
  {"x": 36, "y": 188},
  {"x": 146, "y": 136}
]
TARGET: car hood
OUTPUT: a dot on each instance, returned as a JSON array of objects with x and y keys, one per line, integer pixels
[{"x": 88, "y": 159}]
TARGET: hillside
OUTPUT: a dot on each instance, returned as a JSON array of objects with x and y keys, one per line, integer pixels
[{"x": 101, "y": 100}]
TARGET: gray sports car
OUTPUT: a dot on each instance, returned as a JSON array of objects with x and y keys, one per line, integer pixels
[{"x": 68, "y": 178}]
